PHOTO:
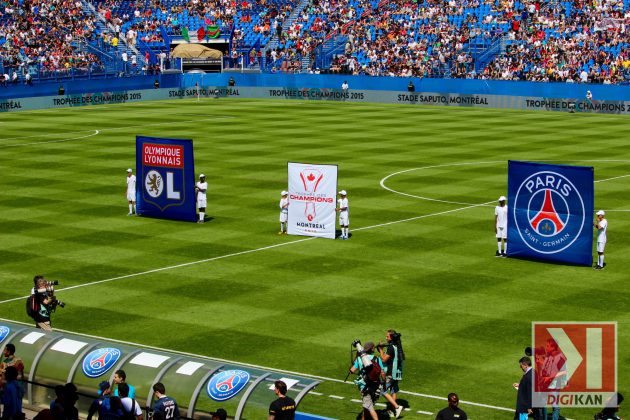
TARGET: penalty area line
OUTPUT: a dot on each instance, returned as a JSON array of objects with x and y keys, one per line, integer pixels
[{"x": 251, "y": 365}]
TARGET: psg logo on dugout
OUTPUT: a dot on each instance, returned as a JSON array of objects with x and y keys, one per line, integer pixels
[
  {"x": 4, "y": 332},
  {"x": 99, "y": 361},
  {"x": 227, "y": 384}
]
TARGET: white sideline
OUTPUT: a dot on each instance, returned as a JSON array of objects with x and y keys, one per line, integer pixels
[{"x": 289, "y": 372}]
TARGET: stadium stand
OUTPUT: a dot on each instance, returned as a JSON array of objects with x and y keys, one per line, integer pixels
[
  {"x": 47, "y": 38},
  {"x": 565, "y": 41}
]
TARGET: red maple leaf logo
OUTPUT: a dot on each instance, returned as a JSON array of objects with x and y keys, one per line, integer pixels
[{"x": 311, "y": 177}]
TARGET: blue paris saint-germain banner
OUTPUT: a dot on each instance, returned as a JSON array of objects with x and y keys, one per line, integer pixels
[
  {"x": 550, "y": 212},
  {"x": 165, "y": 178}
]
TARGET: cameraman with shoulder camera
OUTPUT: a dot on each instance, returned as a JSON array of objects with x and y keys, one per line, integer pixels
[
  {"x": 42, "y": 302},
  {"x": 393, "y": 357},
  {"x": 369, "y": 379}
]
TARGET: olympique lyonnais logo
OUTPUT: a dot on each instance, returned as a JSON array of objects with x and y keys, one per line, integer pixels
[
  {"x": 575, "y": 364},
  {"x": 311, "y": 179},
  {"x": 549, "y": 212},
  {"x": 100, "y": 361},
  {"x": 163, "y": 155},
  {"x": 227, "y": 384},
  {"x": 4, "y": 332},
  {"x": 154, "y": 184}
]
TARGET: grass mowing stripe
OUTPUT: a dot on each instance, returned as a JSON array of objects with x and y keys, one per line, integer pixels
[
  {"x": 298, "y": 307},
  {"x": 156, "y": 270},
  {"x": 337, "y": 397}
]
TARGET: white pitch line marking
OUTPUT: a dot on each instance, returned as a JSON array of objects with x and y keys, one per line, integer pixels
[
  {"x": 96, "y": 132},
  {"x": 337, "y": 397},
  {"x": 118, "y": 128},
  {"x": 249, "y": 251},
  {"x": 382, "y": 182},
  {"x": 428, "y": 413},
  {"x": 156, "y": 270},
  {"x": 614, "y": 177},
  {"x": 354, "y": 400},
  {"x": 315, "y": 393},
  {"x": 288, "y": 372}
]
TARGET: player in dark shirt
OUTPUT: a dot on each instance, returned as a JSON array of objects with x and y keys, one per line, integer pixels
[
  {"x": 167, "y": 406},
  {"x": 284, "y": 407},
  {"x": 452, "y": 412}
]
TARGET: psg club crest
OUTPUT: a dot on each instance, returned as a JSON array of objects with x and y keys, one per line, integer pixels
[
  {"x": 100, "y": 361},
  {"x": 554, "y": 215},
  {"x": 550, "y": 212},
  {"x": 4, "y": 332},
  {"x": 227, "y": 384}
]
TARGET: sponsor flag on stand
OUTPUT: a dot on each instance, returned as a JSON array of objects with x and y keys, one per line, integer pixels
[
  {"x": 550, "y": 212},
  {"x": 185, "y": 34},
  {"x": 201, "y": 34},
  {"x": 166, "y": 178},
  {"x": 312, "y": 199}
]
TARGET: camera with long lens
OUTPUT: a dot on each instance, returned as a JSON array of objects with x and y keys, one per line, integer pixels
[
  {"x": 47, "y": 289},
  {"x": 367, "y": 361},
  {"x": 370, "y": 372}
]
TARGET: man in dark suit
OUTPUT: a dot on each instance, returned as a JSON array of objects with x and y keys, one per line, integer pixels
[{"x": 524, "y": 388}]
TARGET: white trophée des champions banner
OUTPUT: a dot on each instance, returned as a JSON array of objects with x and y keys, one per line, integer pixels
[{"x": 312, "y": 199}]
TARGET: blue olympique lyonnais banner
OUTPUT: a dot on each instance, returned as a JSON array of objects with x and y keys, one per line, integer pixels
[
  {"x": 165, "y": 178},
  {"x": 550, "y": 214}
]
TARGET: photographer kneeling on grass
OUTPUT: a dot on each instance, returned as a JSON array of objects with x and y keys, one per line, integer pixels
[
  {"x": 370, "y": 376},
  {"x": 393, "y": 357}
]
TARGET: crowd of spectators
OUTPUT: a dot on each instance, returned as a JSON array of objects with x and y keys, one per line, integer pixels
[
  {"x": 573, "y": 42},
  {"x": 394, "y": 38},
  {"x": 38, "y": 36}
]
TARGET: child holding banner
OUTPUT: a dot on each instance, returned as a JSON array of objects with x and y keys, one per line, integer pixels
[
  {"x": 344, "y": 218},
  {"x": 284, "y": 212},
  {"x": 131, "y": 192},
  {"x": 500, "y": 226},
  {"x": 200, "y": 189},
  {"x": 601, "y": 225}
]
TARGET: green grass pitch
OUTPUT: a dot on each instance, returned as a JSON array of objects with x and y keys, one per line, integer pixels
[{"x": 423, "y": 267}]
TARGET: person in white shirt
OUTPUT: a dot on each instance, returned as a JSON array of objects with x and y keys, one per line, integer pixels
[
  {"x": 344, "y": 87},
  {"x": 500, "y": 226},
  {"x": 601, "y": 225},
  {"x": 284, "y": 212},
  {"x": 589, "y": 96},
  {"x": 200, "y": 189},
  {"x": 129, "y": 404},
  {"x": 131, "y": 192},
  {"x": 344, "y": 218}
]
